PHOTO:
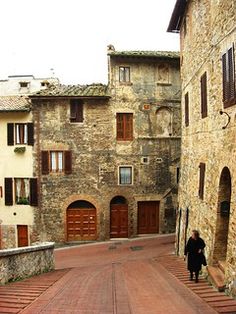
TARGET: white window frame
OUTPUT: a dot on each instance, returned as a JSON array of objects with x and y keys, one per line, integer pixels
[{"x": 132, "y": 175}]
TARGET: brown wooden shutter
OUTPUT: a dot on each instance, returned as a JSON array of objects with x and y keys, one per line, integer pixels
[
  {"x": 202, "y": 169},
  {"x": 68, "y": 162},
  {"x": 33, "y": 192},
  {"x": 8, "y": 191},
  {"x": 128, "y": 126},
  {"x": 231, "y": 74},
  {"x": 119, "y": 126},
  {"x": 72, "y": 111},
  {"x": 45, "y": 162},
  {"x": 186, "y": 104},
  {"x": 80, "y": 111},
  {"x": 30, "y": 133},
  {"x": 204, "y": 95},
  {"x": 10, "y": 134},
  {"x": 224, "y": 70}
]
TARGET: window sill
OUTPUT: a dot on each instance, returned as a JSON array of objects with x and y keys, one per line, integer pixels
[
  {"x": 126, "y": 83},
  {"x": 121, "y": 141},
  {"x": 163, "y": 84}
]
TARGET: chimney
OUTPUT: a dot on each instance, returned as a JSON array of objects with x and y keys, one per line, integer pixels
[{"x": 110, "y": 48}]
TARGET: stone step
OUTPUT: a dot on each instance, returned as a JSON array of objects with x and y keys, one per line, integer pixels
[
  {"x": 217, "y": 277},
  {"x": 222, "y": 265}
]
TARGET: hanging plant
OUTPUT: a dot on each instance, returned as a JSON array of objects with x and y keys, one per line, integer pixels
[{"x": 19, "y": 150}]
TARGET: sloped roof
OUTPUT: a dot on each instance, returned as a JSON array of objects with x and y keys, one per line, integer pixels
[
  {"x": 14, "y": 103},
  {"x": 90, "y": 91},
  {"x": 145, "y": 54},
  {"x": 177, "y": 15}
]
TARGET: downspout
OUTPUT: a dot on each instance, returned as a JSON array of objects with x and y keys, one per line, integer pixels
[
  {"x": 186, "y": 226},
  {"x": 178, "y": 232}
]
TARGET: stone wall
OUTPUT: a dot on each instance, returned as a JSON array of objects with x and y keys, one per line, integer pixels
[
  {"x": 209, "y": 32},
  {"x": 24, "y": 262},
  {"x": 96, "y": 154}
]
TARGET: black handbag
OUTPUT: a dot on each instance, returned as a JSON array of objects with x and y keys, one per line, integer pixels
[{"x": 203, "y": 259}]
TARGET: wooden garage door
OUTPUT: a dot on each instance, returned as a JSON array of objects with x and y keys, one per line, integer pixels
[
  {"x": 119, "y": 221},
  {"x": 148, "y": 217},
  {"x": 81, "y": 224},
  {"x": 22, "y": 235}
]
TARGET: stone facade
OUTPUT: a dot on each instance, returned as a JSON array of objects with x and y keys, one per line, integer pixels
[
  {"x": 207, "y": 32},
  {"x": 152, "y": 96},
  {"x": 20, "y": 263}
]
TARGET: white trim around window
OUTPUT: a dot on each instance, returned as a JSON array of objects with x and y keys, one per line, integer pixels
[{"x": 125, "y": 175}]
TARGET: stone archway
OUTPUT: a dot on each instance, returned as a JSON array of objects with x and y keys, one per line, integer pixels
[
  {"x": 81, "y": 221},
  {"x": 119, "y": 217},
  {"x": 223, "y": 216}
]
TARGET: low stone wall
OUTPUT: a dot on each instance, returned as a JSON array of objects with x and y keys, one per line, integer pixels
[{"x": 19, "y": 263}]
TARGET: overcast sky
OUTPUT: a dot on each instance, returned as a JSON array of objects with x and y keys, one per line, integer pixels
[{"x": 71, "y": 36}]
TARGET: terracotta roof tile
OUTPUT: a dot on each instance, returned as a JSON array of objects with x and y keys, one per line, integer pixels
[
  {"x": 93, "y": 90},
  {"x": 149, "y": 54},
  {"x": 14, "y": 103}
]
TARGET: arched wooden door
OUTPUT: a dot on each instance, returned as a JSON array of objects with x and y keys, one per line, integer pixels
[
  {"x": 119, "y": 218},
  {"x": 81, "y": 221}
]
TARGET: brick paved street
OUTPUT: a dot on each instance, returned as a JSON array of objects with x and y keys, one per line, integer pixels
[{"x": 118, "y": 277}]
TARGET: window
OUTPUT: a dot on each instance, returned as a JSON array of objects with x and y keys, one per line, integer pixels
[
  {"x": 202, "y": 169},
  {"x": 124, "y": 125},
  {"x": 23, "y": 191},
  {"x": 24, "y": 84},
  {"x": 56, "y": 162},
  {"x": 125, "y": 175},
  {"x": 124, "y": 74},
  {"x": 20, "y": 134},
  {"x": 186, "y": 105},
  {"x": 76, "y": 111},
  {"x": 229, "y": 81},
  {"x": 177, "y": 174},
  {"x": 204, "y": 95}
]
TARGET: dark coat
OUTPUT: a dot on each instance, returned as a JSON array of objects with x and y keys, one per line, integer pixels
[{"x": 195, "y": 259}]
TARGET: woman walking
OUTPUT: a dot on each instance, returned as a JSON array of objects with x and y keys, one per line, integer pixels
[{"x": 194, "y": 252}]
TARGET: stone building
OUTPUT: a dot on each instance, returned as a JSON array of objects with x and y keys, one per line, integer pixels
[
  {"x": 207, "y": 194},
  {"x": 18, "y": 187},
  {"x": 107, "y": 157}
]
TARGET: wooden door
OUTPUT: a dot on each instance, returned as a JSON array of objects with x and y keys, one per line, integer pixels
[
  {"x": 119, "y": 221},
  {"x": 148, "y": 217},
  {"x": 81, "y": 224},
  {"x": 22, "y": 235}
]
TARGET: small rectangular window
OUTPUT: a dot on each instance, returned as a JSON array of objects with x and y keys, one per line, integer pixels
[
  {"x": 76, "y": 111},
  {"x": 22, "y": 191},
  {"x": 177, "y": 174},
  {"x": 21, "y": 133},
  {"x": 202, "y": 169},
  {"x": 125, "y": 175},
  {"x": 24, "y": 84},
  {"x": 56, "y": 161},
  {"x": 124, "y": 126},
  {"x": 124, "y": 74},
  {"x": 186, "y": 105},
  {"x": 204, "y": 95}
]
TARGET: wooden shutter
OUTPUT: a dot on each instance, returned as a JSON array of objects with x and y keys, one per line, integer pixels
[
  {"x": 68, "y": 162},
  {"x": 119, "y": 126},
  {"x": 45, "y": 162},
  {"x": 76, "y": 110},
  {"x": 202, "y": 169},
  {"x": 231, "y": 74},
  {"x": 33, "y": 192},
  {"x": 128, "y": 126},
  {"x": 30, "y": 133},
  {"x": 10, "y": 134},
  {"x": 8, "y": 191},
  {"x": 204, "y": 95},
  {"x": 224, "y": 69},
  {"x": 186, "y": 104}
]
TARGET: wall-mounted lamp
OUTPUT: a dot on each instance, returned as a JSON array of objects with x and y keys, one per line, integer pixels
[{"x": 223, "y": 112}]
